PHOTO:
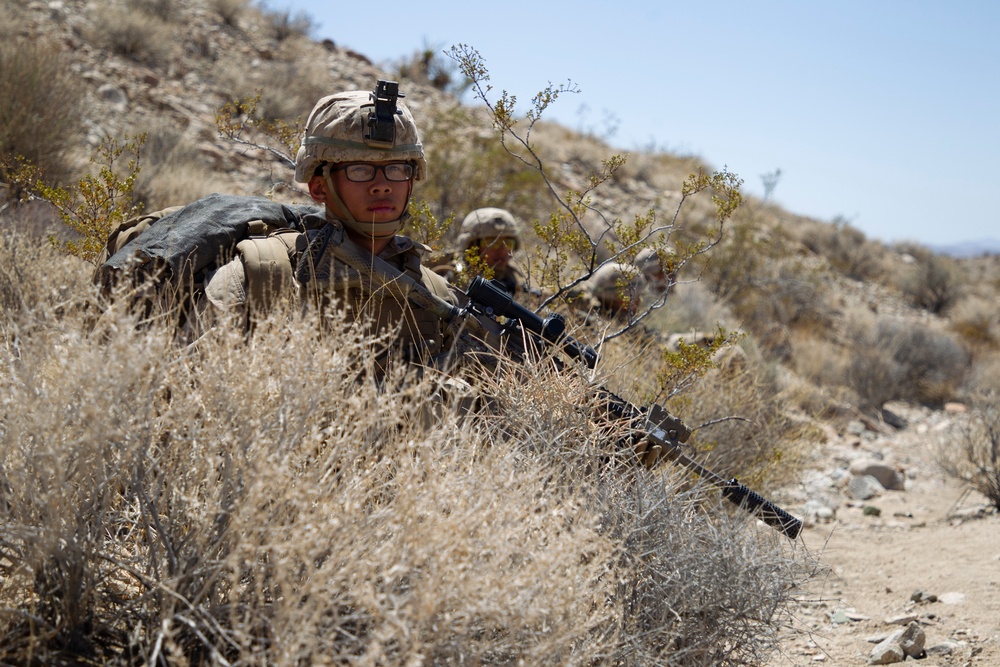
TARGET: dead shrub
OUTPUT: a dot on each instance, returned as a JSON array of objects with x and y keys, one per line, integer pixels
[
  {"x": 229, "y": 10},
  {"x": 288, "y": 88},
  {"x": 472, "y": 169},
  {"x": 984, "y": 375},
  {"x": 893, "y": 359},
  {"x": 430, "y": 66},
  {"x": 134, "y": 34},
  {"x": 975, "y": 319},
  {"x": 166, "y": 10},
  {"x": 691, "y": 306},
  {"x": 746, "y": 433},
  {"x": 846, "y": 248},
  {"x": 933, "y": 283},
  {"x": 40, "y": 103},
  {"x": 794, "y": 296},
  {"x": 976, "y": 460},
  {"x": 285, "y": 25}
]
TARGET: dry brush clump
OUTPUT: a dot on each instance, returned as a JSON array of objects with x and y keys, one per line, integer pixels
[
  {"x": 976, "y": 459},
  {"x": 252, "y": 499},
  {"x": 174, "y": 171},
  {"x": 40, "y": 104},
  {"x": 932, "y": 282},
  {"x": 845, "y": 247},
  {"x": 896, "y": 359}
]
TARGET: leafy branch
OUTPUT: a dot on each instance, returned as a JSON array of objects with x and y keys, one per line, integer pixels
[
  {"x": 564, "y": 234},
  {"x": 98, "y": 203},
  {"x": 235, "y": 119}
]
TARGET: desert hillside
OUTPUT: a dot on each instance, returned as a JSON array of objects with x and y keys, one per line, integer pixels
[{"x": 861, "y": 391}]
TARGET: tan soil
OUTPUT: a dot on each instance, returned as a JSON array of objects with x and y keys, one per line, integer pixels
[{"x": 934, "y": 537}]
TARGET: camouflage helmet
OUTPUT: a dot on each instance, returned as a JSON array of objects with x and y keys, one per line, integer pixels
[
  {"x": 337, "y": 130},
  {"x": 487, "y": 224},
  {"x": 609, "y": 281},
  {"x": 648, "y": 261}
]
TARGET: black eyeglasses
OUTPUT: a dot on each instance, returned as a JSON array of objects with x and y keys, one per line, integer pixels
[{"x": 362, "y": 172}]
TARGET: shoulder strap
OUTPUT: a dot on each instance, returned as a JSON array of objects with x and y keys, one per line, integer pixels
[{"x": 268, "y": 264}]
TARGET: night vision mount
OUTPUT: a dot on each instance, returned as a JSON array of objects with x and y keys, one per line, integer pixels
[{"x": 382, "y": 121}]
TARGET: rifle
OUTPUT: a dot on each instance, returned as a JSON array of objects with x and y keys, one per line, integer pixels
[{"x": 663, "y": 434}]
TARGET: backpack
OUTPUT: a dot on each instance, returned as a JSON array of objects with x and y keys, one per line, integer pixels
[{"x": 176, "y": 247}]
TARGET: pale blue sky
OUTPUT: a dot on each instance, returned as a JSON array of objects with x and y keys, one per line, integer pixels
[{"x": 883, "y": 112}]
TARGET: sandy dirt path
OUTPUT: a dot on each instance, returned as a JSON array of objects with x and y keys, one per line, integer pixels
[{"x": 933, "y": 537}]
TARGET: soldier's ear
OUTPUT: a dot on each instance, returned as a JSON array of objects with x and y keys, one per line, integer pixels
[{"x": 317, "y": 189}]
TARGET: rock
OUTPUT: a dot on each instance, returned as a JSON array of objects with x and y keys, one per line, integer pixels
[
  {"x": 889, "y": 651},
  {"x": 913, "y": 640},
  {"x": 952, "y": 598},
  {"x": 942, "y": 649},
  {"x": 838, "y": 617},
  {"x": 903, "y": 619},
  {"x": 871, "y": 510},
  {"x": 816, "y": 511},
  {"x": 864, "y": 487},
  {"x": 888, "y": 476},
  {"x": 955, "y": 408},
  {"x": 893, "y": 420},
  {"x": 923, "y": 596},
  {"x": 114, "y": 96}
]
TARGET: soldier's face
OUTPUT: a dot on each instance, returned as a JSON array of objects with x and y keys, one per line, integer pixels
[
  {"x": 377, "y": 200},
  {"x": 497, "y": 254}
]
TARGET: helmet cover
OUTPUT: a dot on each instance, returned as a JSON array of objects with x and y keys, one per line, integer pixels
[
  {"x": 488, "y": 224},
  {"x": 336, "y": 131}
]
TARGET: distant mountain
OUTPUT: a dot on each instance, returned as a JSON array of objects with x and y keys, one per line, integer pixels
[{"x": 969, "y": 248}]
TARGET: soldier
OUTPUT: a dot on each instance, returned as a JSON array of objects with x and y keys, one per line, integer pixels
[
  {"x": 360, "y": 163},
  {"x": 615, "y": 290},
  {"x": 650, "y": 263},
  {"x": 488, "y": 238}
]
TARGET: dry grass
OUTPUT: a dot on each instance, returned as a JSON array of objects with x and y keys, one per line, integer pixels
[
  {"x": 173, "y": 171},
  {"x": 253, "y": 501}
]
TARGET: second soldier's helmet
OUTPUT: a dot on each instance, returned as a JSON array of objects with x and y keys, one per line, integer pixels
[
  {"x": 339, "y": 130},
  {"x": 612, "y": 281},
  {"x": 488, "y": 224},
  {"x": 648, "y": 261}
]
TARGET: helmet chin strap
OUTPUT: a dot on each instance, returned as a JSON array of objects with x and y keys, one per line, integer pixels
[{"x": 336, "y": 207}]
